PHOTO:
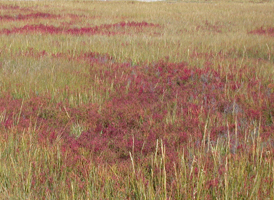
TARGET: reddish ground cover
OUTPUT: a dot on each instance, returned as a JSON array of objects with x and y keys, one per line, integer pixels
[
  {"x": 37, "y": 15},
  {"x": 9, "y": 7},
  {"x": 263, "y": 31},
  {"x": 105, "y": 29},
  {"x": 156, "y": 100},
  {"x": 12, "y": 8}
]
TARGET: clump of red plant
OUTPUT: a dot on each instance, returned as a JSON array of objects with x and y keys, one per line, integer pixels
[
  {"x": 148, "y": 102},
  {"x": 9, "y": 7},
  {"x": 263, "y": 31},
  {"x": 216, "y": 27},
  {"x": 160, "y": 100},
  {"x": 104, "y": 29},
  {"x": 37, "y": 15}
]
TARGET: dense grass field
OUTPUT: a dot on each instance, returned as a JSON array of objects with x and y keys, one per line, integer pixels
[{"x": 133, "y": 100}]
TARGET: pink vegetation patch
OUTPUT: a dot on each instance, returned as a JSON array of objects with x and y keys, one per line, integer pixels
[
  {"x": 8, "y": 7},
  {"x": 263, "y": 31},
  {"x": 13, "y": 8},
  {"x": 28, "y": 16},
  {"x": 149, "y": 101},
  {"x": 105, "y": 29}
]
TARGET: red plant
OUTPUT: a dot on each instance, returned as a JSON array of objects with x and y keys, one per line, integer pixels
[
  {"x": 105, "y": 29},
  {"x": 160, "y": 100},
  {"x": 28, "y": 16},
  {"x": 263, "y": 31}
]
